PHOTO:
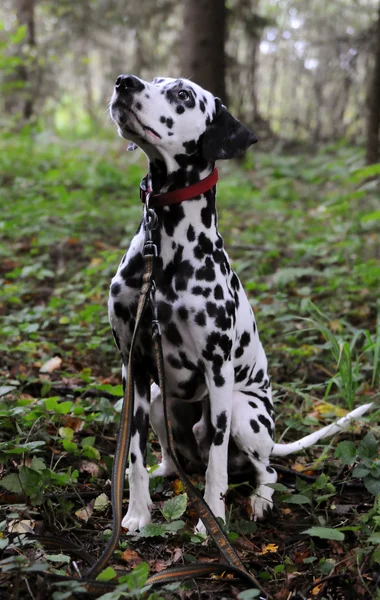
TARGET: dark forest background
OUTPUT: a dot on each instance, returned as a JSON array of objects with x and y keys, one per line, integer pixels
[{"x": 297, "y": 69}]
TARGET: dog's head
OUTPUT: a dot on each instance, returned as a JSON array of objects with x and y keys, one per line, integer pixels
[{"x": 176, "y": 116}]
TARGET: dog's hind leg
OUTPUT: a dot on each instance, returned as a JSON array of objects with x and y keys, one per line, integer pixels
[
  {"x": 252, "y": 430},
  {"x": 157, "y": 419}
]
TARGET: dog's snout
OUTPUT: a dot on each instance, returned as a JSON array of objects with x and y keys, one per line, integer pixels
[{"x": 128, "y": 83}]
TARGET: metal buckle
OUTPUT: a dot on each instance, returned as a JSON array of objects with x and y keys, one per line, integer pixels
[{"x": 149, "y": 244}]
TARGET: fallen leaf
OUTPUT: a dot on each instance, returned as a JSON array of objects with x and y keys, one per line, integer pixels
[
  {"x": 325, "y": 408},
  {"x": 90, "y": 467},
  {"x": 101, "y": 502},
  {"x": 85, "y": 513},
  {"x": 131, "y": 557},
  {"x": 269, "y": 548},
  {"x": 315, "y": 591},
  {"x": 24, "y": 526},
  {"x": 177, "y": 487},
  {"x": 51, "y": 365}
]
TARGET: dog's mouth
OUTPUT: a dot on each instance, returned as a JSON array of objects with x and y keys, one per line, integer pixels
[{"x": 125, "y": 117}]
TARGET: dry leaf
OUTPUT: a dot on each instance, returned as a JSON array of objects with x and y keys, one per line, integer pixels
[
  {"x": 315, "y": 591},
  {"x": 85, "y": 513},
  {"x": 131, "y": 557},
  {"x": 177, "y": 487},
  {"x": 101, "y": 502},
  {"x": 51, "y": 365},
  {"x": 24, "y": 526},
  {"x": 269, "y": 548},
  {"x": 90, "y": 467}
]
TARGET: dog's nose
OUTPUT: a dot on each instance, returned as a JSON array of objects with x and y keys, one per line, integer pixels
[{"x": 128, "y": 83}]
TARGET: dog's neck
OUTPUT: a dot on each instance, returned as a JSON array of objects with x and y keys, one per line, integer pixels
[
  {"x": 192, "y": 216},
  {"x": 168, "y": 172}
]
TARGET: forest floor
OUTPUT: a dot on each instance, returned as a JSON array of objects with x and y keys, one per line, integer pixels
[{"x": 302, "y": 232}]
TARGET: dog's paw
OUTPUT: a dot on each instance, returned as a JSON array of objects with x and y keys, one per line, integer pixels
[
  {"x": 261, "y": 503},
  {"x": 136, "y": 519},
  {"x": 165, "y": 469}
]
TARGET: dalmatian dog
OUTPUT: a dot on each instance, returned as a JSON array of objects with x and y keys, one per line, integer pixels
[{"x": 217, "y": 381}]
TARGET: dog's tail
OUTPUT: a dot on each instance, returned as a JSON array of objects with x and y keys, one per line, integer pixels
[{"x": 313, "y": 438}]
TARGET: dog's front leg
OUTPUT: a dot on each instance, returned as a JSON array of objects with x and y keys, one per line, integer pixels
[
  {"x": 140, "y": 502},
  {"x": 220, "y": 389}
]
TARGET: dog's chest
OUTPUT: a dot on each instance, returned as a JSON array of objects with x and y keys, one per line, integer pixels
[{"x": 198, "y": 297}]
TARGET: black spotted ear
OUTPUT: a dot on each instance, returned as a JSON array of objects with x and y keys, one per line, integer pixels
[
  {"x": 226, "y": 137},
  {"x": 131, "y": 146}
]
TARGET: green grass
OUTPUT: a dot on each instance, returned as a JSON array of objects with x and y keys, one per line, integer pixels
[{"x": 302, "y": 233}]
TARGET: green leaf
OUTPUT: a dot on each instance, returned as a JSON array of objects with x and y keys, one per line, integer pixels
[
  {"x": 12, "y": 483},
  {"x": 174, "y": 526},
  {"x": 115, "y": 390},
  {"x": 66, "y": 433},
  {"x": 38, "y": 464},
  {"x": 69, "y": 446},
  {"x": 372, "y": 484},
  {"x": 51, "y": 403},
  {"x": 88, "y": 441},
  {"x": 360, "y": 471},
  {"x": 106, "y": 575},
  {"x": 249, "y": 594},
  {"x": 326, "y": 533},
  {"x": 63, "y": 408},
  {"x": 374, "y": 538},
  {"x": 278, "y": 487},
  {"x": 346, "y": 452},
  {"x": 153, "y": 530},
  {"x": 58, "y": 558},
  {"x": 175, "y": 507},
  {"x": 368, "y": 447},
  {"x": 297, "y": 499}
]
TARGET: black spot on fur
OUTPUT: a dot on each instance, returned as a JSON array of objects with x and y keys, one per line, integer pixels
[
  {"x": 200, "y": 318},
  {"x": 121, "y": 311},
  {"x": 218, "y": 292},
  {"x": 164, "y": 311},
  {"x": 202, "y": 105},
  {"x": 183, "y": 313},
  {"x": 259, "y": 376},
  {"x": 252, "y": 404},
  {"x": 254, "y": 425},
  {"x": 133, "y": 458},
  {"x": 180, "y": 110},
  {"x": 190, "y": 233},
  {"x": 219, "y": 380},
  {"x": 174, "y": 362},
  {"x": 132, "y": 272},
  {"x": 190, "y": 146},
  {"x": 207, "y": 272},
  {"x": 115, "y": 288},
  {"x": 173, "y": 335},
  {"x": 221, "y": 421},
  {"x": 169, "y": 123},
  {"x": 266, "y": 423}
]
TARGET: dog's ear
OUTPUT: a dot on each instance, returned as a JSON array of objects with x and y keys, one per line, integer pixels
[
  {"x": 225, "y": 137},
  {"x": 131, "y": 146}
]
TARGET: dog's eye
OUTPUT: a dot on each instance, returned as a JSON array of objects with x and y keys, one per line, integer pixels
[{"x": 183, "y": 95}]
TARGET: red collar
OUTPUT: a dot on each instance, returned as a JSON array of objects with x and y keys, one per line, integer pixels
[{"x": 178, "y": 196}]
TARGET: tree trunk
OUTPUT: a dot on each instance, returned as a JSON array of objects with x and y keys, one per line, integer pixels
[
  {"x": 373, "y": 122},
  {"x": 21, "y": 100},
  {"x": 203, "y": 41}
]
